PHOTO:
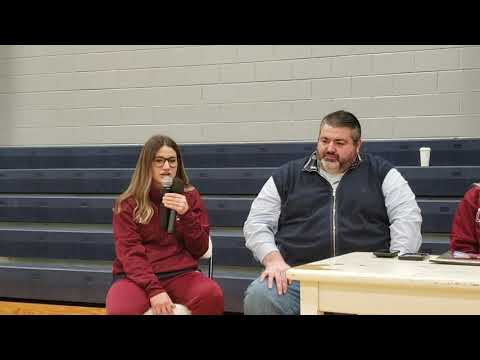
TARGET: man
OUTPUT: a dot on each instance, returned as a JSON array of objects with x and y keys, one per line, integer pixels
[{"x": 327, "y": 204}]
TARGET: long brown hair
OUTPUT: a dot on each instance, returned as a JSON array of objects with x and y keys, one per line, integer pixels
[{"x": 141, "y": 181}]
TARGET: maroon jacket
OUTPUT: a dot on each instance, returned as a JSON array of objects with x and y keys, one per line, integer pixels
[
  {"x": 143, "y": 250},
  {"x": 465, "y": 234}
]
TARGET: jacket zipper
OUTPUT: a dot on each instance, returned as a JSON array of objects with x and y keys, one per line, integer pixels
[
  {"x": 334, "y": 220},
  {"x": 333, "y": 227},
  {"x": 334, "y": 213},
  {"x": 334, "y": 208}
]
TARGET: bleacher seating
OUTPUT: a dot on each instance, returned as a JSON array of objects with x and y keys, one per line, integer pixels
[{"x": 55, "y": 208}]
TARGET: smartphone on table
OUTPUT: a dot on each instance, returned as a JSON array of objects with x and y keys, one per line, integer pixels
[
  {"x": 385, "y": 253},
  {"x": 419, "y": 256}
]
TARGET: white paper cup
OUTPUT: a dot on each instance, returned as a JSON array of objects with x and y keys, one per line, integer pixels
[{"x": 425, "y": 156}]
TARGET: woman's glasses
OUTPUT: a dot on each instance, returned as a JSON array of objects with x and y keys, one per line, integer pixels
[{"x": 160, "y": 161}]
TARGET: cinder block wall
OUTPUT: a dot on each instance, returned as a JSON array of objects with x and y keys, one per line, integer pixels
[{"x": 77, "y": 94}]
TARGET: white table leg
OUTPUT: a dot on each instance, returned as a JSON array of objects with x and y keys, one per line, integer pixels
[{"x": 309, "y": 298}]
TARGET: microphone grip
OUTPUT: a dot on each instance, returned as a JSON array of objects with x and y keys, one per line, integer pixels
[
  {"x": 165, "y": 214},
  {"x": 171, "y": 222}
]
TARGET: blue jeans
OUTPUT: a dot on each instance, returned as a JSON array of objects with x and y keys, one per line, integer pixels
[{"x": 260, "y": 300}]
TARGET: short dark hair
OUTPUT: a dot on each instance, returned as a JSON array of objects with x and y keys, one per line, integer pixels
[{"x": 344, "y": 118}]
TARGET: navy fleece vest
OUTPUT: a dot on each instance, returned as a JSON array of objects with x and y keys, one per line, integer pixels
[{"x": 305, "y": 227}]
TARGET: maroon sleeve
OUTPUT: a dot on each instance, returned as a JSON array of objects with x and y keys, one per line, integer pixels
[
  {"x": 463, "y": 235},
  {"x": 195, "y": 225},
  {"x": 131, "y": 253}
]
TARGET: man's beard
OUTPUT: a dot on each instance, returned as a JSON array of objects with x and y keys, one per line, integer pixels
[
  {"x": 337, "y": 166},
  {"x": 332, "y": 167}
]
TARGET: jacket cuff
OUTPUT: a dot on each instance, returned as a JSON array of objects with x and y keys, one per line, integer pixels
[
  {"x": 188, "y": 216},
  {"x": 154, "y": 289}
]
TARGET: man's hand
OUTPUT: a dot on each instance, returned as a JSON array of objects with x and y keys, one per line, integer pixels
[
  {"x": 161, "y": 304},
  {"x": 275, "y": 269}
]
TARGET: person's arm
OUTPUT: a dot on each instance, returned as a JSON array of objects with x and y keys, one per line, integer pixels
[
  {"x": 131, "y": 252},
  {"x": 259, "y": 231},
  {"x": 463, "y": 235},
  {"x": 403, "y": 212},
  {"x": 195, "y": 225},
  {"x": 261, "y": 225}
]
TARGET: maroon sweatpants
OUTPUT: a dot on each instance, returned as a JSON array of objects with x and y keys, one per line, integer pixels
[{"x": 201, "y": 295}]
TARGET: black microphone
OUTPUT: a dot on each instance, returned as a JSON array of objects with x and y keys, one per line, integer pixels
[
  {"x": 167, "y": 182},
  {"x": 177, "y": 187}
]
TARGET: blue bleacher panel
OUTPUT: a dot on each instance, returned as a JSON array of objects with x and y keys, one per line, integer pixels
[
  {"x": 47, "y": 242},
  {"x": 95, "y": 242},
  {"x": 454, "y": 180},
  {"x": 222, "y": 211},
  {"x": 212, "y": 181},
  {"x": 43, "y": 281},
  {"x": 445, "y": 152},
  {"x": 69, "y": 157}
]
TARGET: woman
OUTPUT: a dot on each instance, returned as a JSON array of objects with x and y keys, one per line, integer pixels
[
  {"x": 154, "y": 269},
  {"x": 465, "y": 234}
]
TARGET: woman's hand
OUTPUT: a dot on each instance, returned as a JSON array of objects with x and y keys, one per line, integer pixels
[
  {"x": 177, "y": 202},
  {"x": 161, "y": 304}
]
